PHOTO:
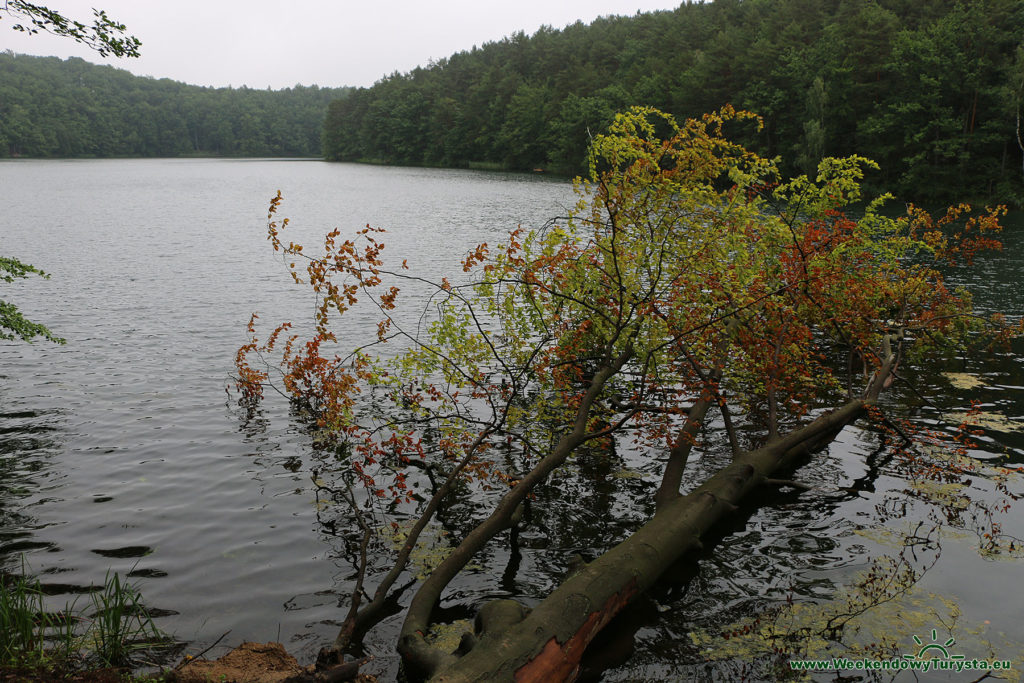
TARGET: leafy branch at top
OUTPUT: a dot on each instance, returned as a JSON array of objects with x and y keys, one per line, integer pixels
[{"x": 104, "y": 35}]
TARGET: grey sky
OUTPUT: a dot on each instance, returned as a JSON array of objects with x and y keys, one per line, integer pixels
[{"x": 262, "y": 43}]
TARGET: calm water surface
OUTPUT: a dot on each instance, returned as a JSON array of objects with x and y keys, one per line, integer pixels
[{"x": 121, "y": 450}]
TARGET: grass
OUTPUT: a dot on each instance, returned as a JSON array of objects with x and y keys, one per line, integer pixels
[
  {"x": 120, "y": 624},
  {"x": 23, "y": 622},
  {"x": 114, "y": 633}
]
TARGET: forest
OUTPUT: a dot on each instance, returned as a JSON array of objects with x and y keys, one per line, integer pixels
[
  {"x": 931, "y": 91},
  {"x": 71, "y": 108}
]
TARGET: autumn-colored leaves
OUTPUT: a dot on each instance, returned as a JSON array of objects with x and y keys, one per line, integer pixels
[{"x": 686, "y": 254}]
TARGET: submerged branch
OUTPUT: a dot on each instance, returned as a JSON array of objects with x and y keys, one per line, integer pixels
[
  {"x": 547, "y": 644},
  {"x": 419, "y": 655}
]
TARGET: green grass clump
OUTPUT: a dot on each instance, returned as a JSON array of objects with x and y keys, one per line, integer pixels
[
  {"x": 114, "y": 632},
  {"x": 120, "y": 623},
  {"x": 23, "y": 622}
]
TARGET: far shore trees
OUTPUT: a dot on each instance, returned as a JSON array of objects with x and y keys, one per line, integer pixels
[
  {"x": 932, "y": 92},
  {"x": 104, "y": 36},
  {"x": 49, "y": 108},
  {"x": 691, "y": 292}
]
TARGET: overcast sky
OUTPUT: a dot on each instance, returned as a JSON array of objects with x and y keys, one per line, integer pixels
[{"x": 262, "y": 43}]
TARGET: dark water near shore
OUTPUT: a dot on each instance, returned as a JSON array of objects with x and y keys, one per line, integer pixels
[{"x": 121, "y": 450}]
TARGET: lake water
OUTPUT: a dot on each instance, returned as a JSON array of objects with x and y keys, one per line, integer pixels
[{"x": 122, "y": 451}]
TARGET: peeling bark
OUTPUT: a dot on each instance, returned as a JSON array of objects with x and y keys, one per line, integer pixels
[{"x": 548, "y": 644}]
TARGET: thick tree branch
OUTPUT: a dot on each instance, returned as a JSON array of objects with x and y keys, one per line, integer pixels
[
  {"x": 548, "y": 643},
  {"x": 416, "y": 652}
]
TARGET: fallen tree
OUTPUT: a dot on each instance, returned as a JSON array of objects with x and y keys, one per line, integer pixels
[{"x": 689, "y": 290}]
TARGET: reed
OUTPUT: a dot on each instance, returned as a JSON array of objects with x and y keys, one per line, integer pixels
[
  {"x": 121, "y": 626},
  {"x": 116, "y": 629},
  {"x": 23, "y": 621}
]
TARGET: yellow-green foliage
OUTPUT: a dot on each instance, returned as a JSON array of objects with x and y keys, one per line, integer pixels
[
  {"x": 446, "y": 637},
  {"x": 948, "y": 495},
  {"x": 878, "y": 618},
  {"x": 963, "y": 380},
  {"x": 432, "y": 546},
  {"x": 990, "y": 420}
]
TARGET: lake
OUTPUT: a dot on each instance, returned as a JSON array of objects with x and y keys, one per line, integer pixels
[{"x": 121, "y": 451}]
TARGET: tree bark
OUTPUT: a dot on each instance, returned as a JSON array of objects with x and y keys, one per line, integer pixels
[
  {"x": 680, "y": 453},
  {"x": 549, "y": 643},
  {"x": 420, "y": 657}
]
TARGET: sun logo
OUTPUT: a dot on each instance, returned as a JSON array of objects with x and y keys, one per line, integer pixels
[{"x": 934, "y": 646}]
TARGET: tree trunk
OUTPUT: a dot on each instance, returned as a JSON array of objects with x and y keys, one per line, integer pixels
[
  {"x": 418, "y": 656},
  {"x": 548, "y": 644}
]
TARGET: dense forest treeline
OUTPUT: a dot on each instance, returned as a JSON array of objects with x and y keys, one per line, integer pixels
[
  {"x": 930, "y": 90},
  {"x": 66, "y": 108}
]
